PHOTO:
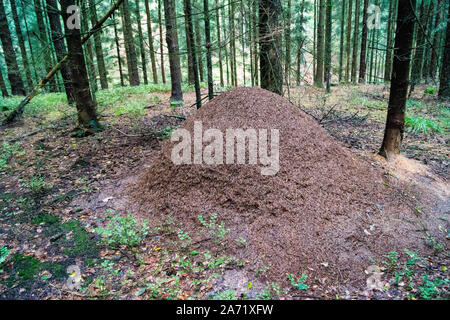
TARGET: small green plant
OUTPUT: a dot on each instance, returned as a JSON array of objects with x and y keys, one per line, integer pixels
[
  {"x": 431, "y": 289},
  {"x": 429, "y": 91},
  {"x": 166, "y": 133},
  {"x": 36, "y": 184},
  {"x": 7, "y": 151},
  {"x": 226, "y": 295},
  {"x": 215, "y": 229},
  {"x": 392, "y": 260},
  {"x": 433, "y": 243},
  {"x": 4, "y": 252},
  {"x": 123, "y": 230},
  {"x": 300, "y": 283},
  {"x": 421, "y": 125}
]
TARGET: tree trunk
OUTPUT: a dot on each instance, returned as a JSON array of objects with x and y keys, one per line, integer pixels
[
  {"x": 436, "y": 38},
  {"x": 444, "y": 86},
  {"x": 255, "y": 41},
  {"x": 328, "y": 46},
  {"x": 232, "y": 42},
  {"x": 60, "y": 46},
  {"x": 219, "y": 43},
  {"x": 208, "y": 50},
  {"x": 270, "y": 45},
  {"x": 92, "y": 73},
  {"x": 161, "y": 47},
  {"x": 119, "y": 61},
  {"x": 44, "y": 43},
  {"x": 87, "y": 116},
  {"x": 341, "y": 41},
  {"x": 98, "y": 47},
  {"x": 17, "y": 86},
  {"x": 172, "y": 45},
  {"x": 417, "y": 62},
  {"x": 193, "y": 53},
  {"x": 389, "y": 42},
  {"x": 287, "y": 36},
  {"x": 191, "y": 76},
  {"x": 362, "y": 59},
  {"x": 347, "y": 48},
  {"x": 5, "y": 93},
  {"x": 395, "y": 122},
  {"x": 320, "y": 45},
  {"x": 141, "y": 43},
  {"x": 150, "y": 42},
  {"x": 21, "y": 41},
  {"x": 130, "y": 50},
  {"x": 198, "y": 45},
  {"x": 355, "y": 43}
]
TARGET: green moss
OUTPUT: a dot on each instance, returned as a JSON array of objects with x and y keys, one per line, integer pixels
[
  {"x": 45, "y": 218},
  {"x": 81, "y": 242}
]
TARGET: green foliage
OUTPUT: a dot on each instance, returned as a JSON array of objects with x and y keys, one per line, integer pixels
[
  {"x": 421, "y": 125},
  {"x": 431, "y": 289},
  {"x": 215, "y": 229},
  {"x": 7, "y": 152},
  {"x": 45, "y": 218},
  {"x": 166, "y": 133},
  {"x": 392, "y": 260},
  {"x": 36, "y": 184},
  {"x": 226, "y": 295},
  {"x": 429, "y": 91},
  {"x": 123, "y": 230},
  {"x": 300, "y": 283},
  {"x": 4, "y": 252}
]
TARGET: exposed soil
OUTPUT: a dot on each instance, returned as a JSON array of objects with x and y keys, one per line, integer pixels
[{"x": 327, "y": 211}]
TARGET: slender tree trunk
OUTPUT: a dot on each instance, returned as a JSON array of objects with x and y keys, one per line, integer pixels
[
  {"x": 21, "y": 41},
  {"x": 191, "y": 76},
  {"x": 5, "y": 93},
  {"x": 60, "y": 46},
  {"x": 255, "y": 41},
  {"x": 436, "y": 38},
  {"x": 44, "y": 43},
  {"x": 329, "y": 8},
  {"x": 444, "y": 82},
  {"x": 341, "y": 41},
  {"x": 232, "y": 42},
  {"x": 102, "y": 72},
  {"x": 208, "y": 49},
  {"x": 301, "y": 39},
  {"x": 119, "y": 61},
  {"x": 141, "y": 42},
  {"x": 270, "y": 45},
  {"x": 33, "y": 62},
  {"x": 355, "y": 43},
  {"x": 172, "y": 45},
  {"x": 219, "y": 43},
  {"x": 347, "y": 48},
  {"x": 372, "y": 51},
  {"x": 193, "y": 53},
  {"x": 150, "y": 42},
  {"x": 225, "y": 47},
  {"x": 90, "y": 53},
  {"x": 198, "y": 45},
  {"x": 161, "y": 47},
  {"x": 417, "y": 62},
  {"x": 87, "y": 116},
  {"x": 362, "y": 59},
  {"x": 320, "y": 45},
  {"x": 17, "y": 86},
  {"x": 243, "y": 39},
  {"x": 395, "y": 122},
  {"x": 389, "y": 42},
  {"x": 130, "y": 49},
  {"x": 287, "y": 36}
]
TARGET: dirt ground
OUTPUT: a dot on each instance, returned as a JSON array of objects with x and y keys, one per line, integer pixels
[{"x": 52, "y": 229}]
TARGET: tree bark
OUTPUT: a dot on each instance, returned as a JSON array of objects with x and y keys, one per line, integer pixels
[
  {"x": 102, "y": 72},
  {"x": 130, "y": 49},
  {"x": 347, "y": 48},
  {"x": 444, "y": 86},
  {"x": 219, "y": 43},
  {"x": 341, "y": 41},
  {"x": 208, "y": 50},
  {"x": 389, "y": 42},
  {"x": 193, "y": 53},
  {"x": 395, "y": 122},
  {"x": 320, "y": 45},
  {"x": 172, "y": 44},
  {"x": 362, "y": 59},
  {"x": 328, "y": 45},
  {"x": 5, "y": 93},
  {"x": 21, "y": 41},
  {"x": 57, "y": 35},
  {"x": 355, "y": 43},
  {"x": 87, "y": 116},
  {"x": 17, "y": 86},
  {"x": 141, "y": 42},
  {"x": 270, "y": 45},
  {"x": 436, "y": 38},
  {"x": 150, "y": 42}
]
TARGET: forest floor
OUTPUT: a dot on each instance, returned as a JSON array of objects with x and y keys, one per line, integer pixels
[{"x": 57, "y": 188}]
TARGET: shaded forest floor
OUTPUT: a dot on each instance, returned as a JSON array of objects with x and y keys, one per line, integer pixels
[{"x": 57, "y": 188}]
